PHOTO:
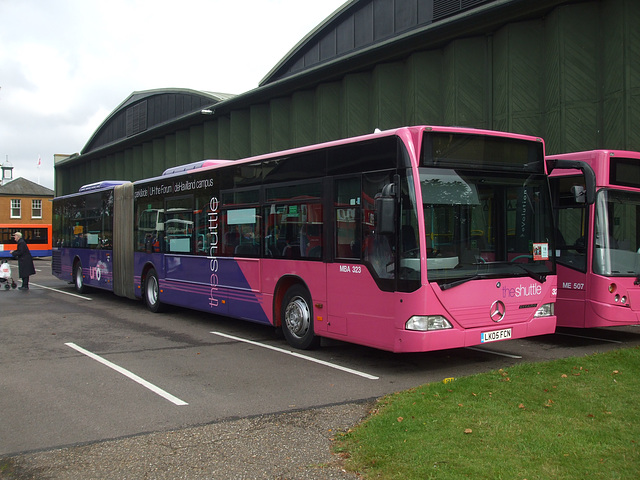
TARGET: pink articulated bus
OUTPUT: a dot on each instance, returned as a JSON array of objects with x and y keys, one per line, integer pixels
[
  {"x": 408, "y": 240},
  {"x": 598, "y": 241}
]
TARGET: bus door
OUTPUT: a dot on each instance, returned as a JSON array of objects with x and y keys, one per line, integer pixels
[
  {"x": 361, "y": 279},
  {"x": 573, "y": 196}
]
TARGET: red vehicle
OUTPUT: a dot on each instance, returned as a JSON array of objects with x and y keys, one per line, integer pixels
[{"x": 37, "y": 236}]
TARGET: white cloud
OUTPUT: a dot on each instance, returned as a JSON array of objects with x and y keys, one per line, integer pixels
[{"x": 66, "y": 64}]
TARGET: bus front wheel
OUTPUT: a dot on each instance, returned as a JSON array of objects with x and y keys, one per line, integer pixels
[
  {"x": 78, "y": 280},
  {"x": 297, "y": 319},
  {"x": 152, "y": 291}
]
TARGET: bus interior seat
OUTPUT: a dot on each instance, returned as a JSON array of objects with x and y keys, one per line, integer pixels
[
  {"x": 291, "y": 251},
  {"x": 246, "y": 249}
]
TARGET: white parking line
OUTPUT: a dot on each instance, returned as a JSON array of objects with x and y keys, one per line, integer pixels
[
  {"x": 482, "y": 350},
  {"x": 128, "y": 374},
  {"x": 588, "y": 338},
  {"x": 61, "y": 291},
  {"x": 298, "y": 355}
]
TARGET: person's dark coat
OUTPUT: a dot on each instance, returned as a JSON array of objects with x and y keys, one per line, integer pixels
[{"x": 25, "y": 260}]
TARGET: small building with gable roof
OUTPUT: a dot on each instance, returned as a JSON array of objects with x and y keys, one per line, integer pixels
[{"x": 25, "y": 202}]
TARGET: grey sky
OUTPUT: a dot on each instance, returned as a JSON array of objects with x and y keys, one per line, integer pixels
[{"x": 65, "y": 65}]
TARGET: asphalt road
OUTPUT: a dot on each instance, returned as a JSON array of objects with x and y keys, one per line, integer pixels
[{"x": 88, "y": 376}]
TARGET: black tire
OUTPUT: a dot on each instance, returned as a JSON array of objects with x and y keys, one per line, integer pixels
[
  {"x": 78, "y": 279},
  {"x": 297, "y": 319},
  {"x": 152, "y": 292}
]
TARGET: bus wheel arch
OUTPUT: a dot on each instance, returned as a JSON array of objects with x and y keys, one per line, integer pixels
[
  {"x": 293, "y": 311},
  {"x": 78, "y": 278}
]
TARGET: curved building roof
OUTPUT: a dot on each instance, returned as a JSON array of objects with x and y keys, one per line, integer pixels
[
  {"x": 149, "y": 109},
  {"x": 359, "y": 25}
]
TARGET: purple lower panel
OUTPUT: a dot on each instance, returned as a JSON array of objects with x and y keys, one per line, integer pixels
[
  {"x": 200, "y": 283},
  {"x": 97, "y": 266}
]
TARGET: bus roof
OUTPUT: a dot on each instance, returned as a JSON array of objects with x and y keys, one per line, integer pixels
[
  {"x": 411, "y": 134},
  {"x": 102, "y": 184}
]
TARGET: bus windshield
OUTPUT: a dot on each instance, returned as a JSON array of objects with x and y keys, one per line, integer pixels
[
  {"x": 616, "y": 233},
  {"x": 481, "y": 225}
]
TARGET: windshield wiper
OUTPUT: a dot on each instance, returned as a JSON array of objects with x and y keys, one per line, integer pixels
[
  {"x": 455, "y": 283},
  {"x": 540, "y": 277},
  {"x": 535, "y": 275}
]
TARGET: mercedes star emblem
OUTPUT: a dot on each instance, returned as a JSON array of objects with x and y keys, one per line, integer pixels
[{"x": 497, "y": 311}]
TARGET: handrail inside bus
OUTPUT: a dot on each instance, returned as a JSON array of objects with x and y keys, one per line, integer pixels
[{"x": 585, "y": 168}]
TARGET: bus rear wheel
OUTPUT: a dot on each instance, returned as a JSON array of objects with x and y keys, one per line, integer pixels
[
  {"x": 297, "y": 319},
  {"x": 78, "y": 280},
  {"x": 152, "y": 292}
]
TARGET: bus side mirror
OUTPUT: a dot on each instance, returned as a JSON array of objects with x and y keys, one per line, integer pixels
[
  {"x": 579, "y": 193},
  {"x": 385, "y": 202},
  {"x": 589, "y": 193}
]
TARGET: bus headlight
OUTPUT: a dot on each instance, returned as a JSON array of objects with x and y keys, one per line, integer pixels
[
  {"x": 546, "y": 310},
  {"x": 427, "y": 322}
]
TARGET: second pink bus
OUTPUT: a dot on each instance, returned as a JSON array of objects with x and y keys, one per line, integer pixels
[{"x": 598, "y": 241}]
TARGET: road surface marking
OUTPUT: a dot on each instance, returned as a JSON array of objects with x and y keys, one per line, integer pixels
[
  {"x": 298, "y": 355},
  {"x": 60, "y": 291},
  {"x": 588, "y": 338},
  {"x": 128, "y": 374},
  {"x": 508, "y": 355}
]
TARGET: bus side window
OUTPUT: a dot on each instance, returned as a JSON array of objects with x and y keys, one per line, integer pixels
[
  {"x": 347, "y": 204},
  {"x": 242, "y": 232},
  {"x": 379, "y": 248},
  {"x": 571, "y": 224}
]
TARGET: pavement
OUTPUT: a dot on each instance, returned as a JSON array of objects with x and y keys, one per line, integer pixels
[{"x": 282, "y": 446}]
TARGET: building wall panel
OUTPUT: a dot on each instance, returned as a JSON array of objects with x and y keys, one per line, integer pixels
[
  {"x": 240, "y": 134},
  {"x": 356, "y": 104},
  {"x": 517, "y": 92},
  {"x": 328, "y": 105},
  {"x": 303, "y": 112},
  {"x": 281, "y": 123},
  {"x": 388, "y": 95},
  {"x": 260, "y": 126},
  {"x": 464, "y": 81},
  {"x": 423, "y": 99},
  {"x": 196, "y": 142},
  {"x": 571, "y": 76}
]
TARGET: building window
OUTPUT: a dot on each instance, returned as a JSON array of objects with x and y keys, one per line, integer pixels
[
  {"x": 15, "y": 208},
  {"x": 36, "y": 208}
]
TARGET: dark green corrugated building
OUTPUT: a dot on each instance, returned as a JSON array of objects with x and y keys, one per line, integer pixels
[{"x": 568, "y": 71}]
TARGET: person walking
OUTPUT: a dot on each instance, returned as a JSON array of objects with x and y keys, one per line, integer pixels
[{"x": 25, "y": 260}]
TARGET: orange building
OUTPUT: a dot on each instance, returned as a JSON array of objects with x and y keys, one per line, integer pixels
[
  {"x": 26, "y": 207},
  {"x": 25, "y": 202}
]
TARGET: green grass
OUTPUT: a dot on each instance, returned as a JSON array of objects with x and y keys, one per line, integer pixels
[{"x": 575, "y": 418}]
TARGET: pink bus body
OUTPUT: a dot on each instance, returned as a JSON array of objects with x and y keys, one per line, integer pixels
[
  {"x": 598, "y": 259},
  {"x": 408, "y": 240}
]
